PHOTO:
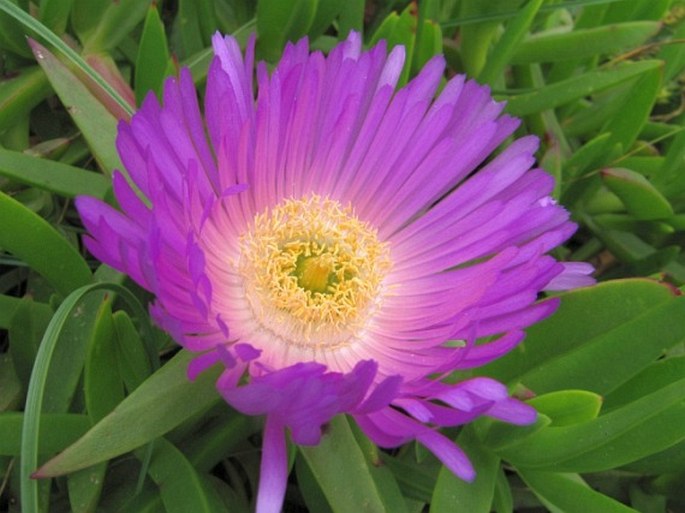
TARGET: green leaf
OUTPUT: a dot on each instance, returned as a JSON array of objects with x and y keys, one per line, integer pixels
[
  {"x": 34, "y": 26},
  {"x": 647, "y": 425},
  {"x": 640, "y": 197},
  {"x": 670, "y": 179},
  {"x": 477, "y": 35},
  {"x": 503, "y": 501},
  {"x": 59, "y": 430},
  {"x": 453, "y": 494},
  {"x": 162, "y": 402},
  {"x": 429, "y": 45},
  {"x": 513, "y": 34},
  {"x": 326, "y": 12},
  {"x": 627, "y": 125},
  {"x": 97, "y": 124},
  {"x": 333, "y": 461},
  {"x": 12, "y": 35},
  {"x": 32, "y": 239},
  {"x": 499, "y": 435},
  {"x": 561, "y": 93},
  {"x": 86, "y": 14},
  {"x": 673, "y": 55},
  {"x": 52, "y": 176},
  {"x": 671, "y": 460},
  {"x": 152, "y": 60},
  {"x": 568, "y": 493},
  {"x": 20, "y": 94},
  {"x": 26, "y": 328},
  {"x": 416, "y": 479},
  {"x": 311, "y": 492},
  {"x": 352, "y": 17},
  {"x": 134, "y": 364},
  {"x": 588, "y": 157},
  {"x": 568, "y": 407},
  {"x": 8, "y": 305},
  {"x": 114, "y": 23},
  {"x": 386, "y": 484},
  {"x": 554, "y": 46},
  {"x": 399, "y": 30},
  {"x": 102, "y": 384},
  {"x": 37, "y": 396},
  {"x": 219, "y": 439},
  {"x": 186, "y": 35},
  {"x": 85, "y": 488},
  {"x": 54, "y": 14},
  {"x": 658, "y": 375},
  {"x": 181, "y": 487},
  {"x": 278, "y": 22},
  {"x": 610, "y": 333},
  {"x": 12, "y": 389}
]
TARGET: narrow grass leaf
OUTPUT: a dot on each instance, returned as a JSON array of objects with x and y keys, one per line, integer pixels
[{"x": 36, "y": 395}]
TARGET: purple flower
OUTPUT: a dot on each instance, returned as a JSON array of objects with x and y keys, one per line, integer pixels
[{"x": 341, "y": 243}]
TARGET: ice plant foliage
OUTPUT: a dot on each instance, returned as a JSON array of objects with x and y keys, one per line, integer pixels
[{"x": 336, "y": 244}]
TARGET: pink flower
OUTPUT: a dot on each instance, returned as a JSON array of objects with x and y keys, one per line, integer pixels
[{"x": 330, "y": 238}]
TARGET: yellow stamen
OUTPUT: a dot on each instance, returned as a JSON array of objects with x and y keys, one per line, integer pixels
[{"x": 312, "y": 271}]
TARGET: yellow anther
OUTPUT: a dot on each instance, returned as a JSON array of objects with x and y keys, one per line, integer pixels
[{"x": 312, "y": 271}]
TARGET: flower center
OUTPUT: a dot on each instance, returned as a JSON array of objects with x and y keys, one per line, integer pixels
[{"x": 312, "y": 272}]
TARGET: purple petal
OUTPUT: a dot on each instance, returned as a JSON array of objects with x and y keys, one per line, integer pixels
[{"x": 273, "y": 471}]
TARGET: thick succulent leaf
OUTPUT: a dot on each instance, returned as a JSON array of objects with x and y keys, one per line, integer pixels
[
  {"x": 643, "y": 427},
  {"x": 639, "y": 196},
  {"x": 610, "y": 333},
  {"x": 556, "y": 46},
  {"x": 568, "y": 493},
  {"x": 152, "y": 61},
  {"x": 35, "y": 241},
  {"x": 333, "y": 461},
  {"x": 52, "y": 176},
  {"x": 560, "y": 93},
  {"x": 453, "y": 494}
]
